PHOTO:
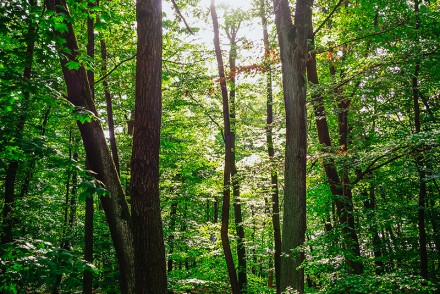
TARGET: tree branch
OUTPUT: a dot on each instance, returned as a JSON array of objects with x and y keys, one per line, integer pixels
[
  {"x": 372, "y": 167},
  {"x": 181, "y": 17},
  {"x": 113, "y": 69},
  {"x": 327, "y": 18}
]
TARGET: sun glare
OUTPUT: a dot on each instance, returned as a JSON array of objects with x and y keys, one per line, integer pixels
[{"x": 243, "y": 4}]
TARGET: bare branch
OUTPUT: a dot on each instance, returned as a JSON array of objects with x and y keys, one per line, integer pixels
[{"x": 113, "y": 69}]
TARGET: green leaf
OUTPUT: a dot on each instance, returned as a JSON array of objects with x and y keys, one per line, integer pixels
[{"x": 73, "y": 65}]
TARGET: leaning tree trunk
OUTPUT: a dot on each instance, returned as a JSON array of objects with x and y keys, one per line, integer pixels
[
  {"x": 100, "y": 159},
  {"x": 228, "y": 157},
  {"x": 149, "y": 249},
  {"x": 271, "y": 151},
  {"x": 293, "y": 48}
]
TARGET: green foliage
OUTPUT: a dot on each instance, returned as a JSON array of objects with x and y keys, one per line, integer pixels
[{"x": 33, "y": 265}]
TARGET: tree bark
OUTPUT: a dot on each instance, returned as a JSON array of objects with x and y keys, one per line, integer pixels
[
  {"x": 149, "y": 249},
  {"x": 293, "y": 47},
  {"x": 109, "y": 107},
  {"x": 241, "y": 250},
  {"x": 88, "y": 222},
  {"x": 228, "y": 157},
  {"x": 271, "y": 151},
  {"x": 115, "y": 206}
]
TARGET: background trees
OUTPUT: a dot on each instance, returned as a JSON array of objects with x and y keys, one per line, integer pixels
[{"x": 372, "y": 157}]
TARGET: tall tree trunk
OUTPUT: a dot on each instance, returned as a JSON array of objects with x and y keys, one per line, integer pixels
[
  {"x": 270, "y": 149},
  {"x": 109, "y": 107},
  {"x": 370, "y": 206},
  {"x": 11, "y": 170},
  {"x": 228, "y": 158},
  {"x": 79, "y": 94},
  {"x": 340, "y": 190},
  {"x": 149, "y": 249},
  {"x": 241, "y": 250},
  {"x": 420, "y": 164},
  {"x": 293, "y": 48},
  {"x": 88, "y": 222},
  {"x": 69, "y": 211}
]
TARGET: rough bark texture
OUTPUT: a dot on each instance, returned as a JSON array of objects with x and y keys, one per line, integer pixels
[
  {"x": 150, "y": 266},
  {"x": 293, "y": 48},
  {"x": 115, "y": 206},
  {"x": 228, "y": 157},
  {"x": 271, "y": 151}
]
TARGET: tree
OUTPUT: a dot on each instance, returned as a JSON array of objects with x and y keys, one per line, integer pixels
[
  {"x": 229, "y": 159},
  {"x": 270, "y": 148},
  {"x": 147, "y": 223},
  {"x": 100, "y": 160},
  {"x": 292, "y": 39}
]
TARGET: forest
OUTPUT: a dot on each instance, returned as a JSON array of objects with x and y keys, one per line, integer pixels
[{"x": 202, "y": 146}]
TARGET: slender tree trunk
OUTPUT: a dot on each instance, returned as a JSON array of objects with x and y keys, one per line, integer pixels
[
  {"x": 115, "y": 206},
  {"x": 30, "y": 169},
  {"x": 340, "y": 190},
  {"x": 69, "y": 211},
  {"x": 88, "y": 244},
  {"x": 293, "y": 48},
  {"x": 173, "y": 214},
  {"x": 149, "y": 249},
  {"x": 241, "y": 250},
  {"x": 228, "y": 158},
  {"x": 420, "y": 164},
  {"x": 88, "y": 222},
  {"x": 109, "y": 106},
  {"x": 370, "y": 206},
  {"x": 271, "y": 151},
  {"x": 11, "y": 170}
]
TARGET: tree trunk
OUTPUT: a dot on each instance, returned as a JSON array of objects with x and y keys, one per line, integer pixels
[
  {"x": 228, "y": 158},
  {"x": 271, "y": 151},
  {"x": 88, "y": 222},
  {"x": 100, "y": 160},
  {"x": 149, "y": 249},
  {"x": 88, "y": 245},
  {"x": 173, "y": 214},
  {"x": 340, "y": 190},
  {"x": 109, "y": 107},
  {"x": 241, "y": 250},
  {"x": 11, "y": 170},
  {"x": 420, "y": 164},
  {"x": 293, "y": 48}
]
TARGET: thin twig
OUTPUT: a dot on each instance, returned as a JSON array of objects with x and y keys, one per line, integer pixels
[{"x": 114, "y": 68}]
